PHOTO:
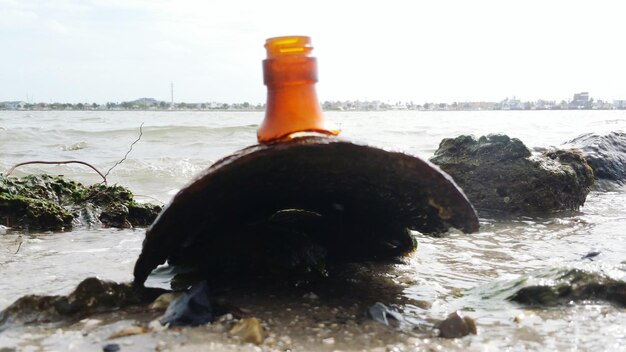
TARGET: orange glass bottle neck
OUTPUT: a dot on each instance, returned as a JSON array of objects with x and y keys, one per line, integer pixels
[{"x": 292, "y": 106}]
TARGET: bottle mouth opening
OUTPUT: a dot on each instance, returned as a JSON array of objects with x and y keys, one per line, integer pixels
[{"x": 288, "y": 46}]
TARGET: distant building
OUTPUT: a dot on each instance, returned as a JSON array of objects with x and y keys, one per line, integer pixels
[
  {"x": 580, "y": 101},
  {"x": 619, "y": 104},
  {"x": 545, "y": 105},
  {"x": 510, "y": 104},
  {"x": 12, "y": 105}
]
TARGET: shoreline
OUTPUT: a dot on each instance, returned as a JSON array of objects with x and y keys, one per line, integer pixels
[{"x": 263, "y": 110}]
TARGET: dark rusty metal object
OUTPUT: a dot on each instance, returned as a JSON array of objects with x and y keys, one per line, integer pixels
[{"x": 368, "y": 198}]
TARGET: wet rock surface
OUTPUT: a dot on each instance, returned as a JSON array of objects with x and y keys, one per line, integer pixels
[
  {"x": 500, "y": 175},
  {"x": 573, "y": 285},
  {"x": 455, "y": 326},
  {"x": 44, "y": 202},
  {"x": 296, "y": 207},
  {"x": 606, "y": 154},
  {"x": 90, "y": 296},
  {"x": 249, "y": 330}
]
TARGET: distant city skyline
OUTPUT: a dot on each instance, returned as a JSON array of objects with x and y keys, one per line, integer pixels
[
  {"x": 445, "y": 51},
  {"x": 170, "y": 100},
  {"x": 580, "y": 101}
]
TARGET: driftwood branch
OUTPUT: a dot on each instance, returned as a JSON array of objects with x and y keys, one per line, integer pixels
[
  {"x": 104, "y": 176},
  {"x": 128, "y": 152},
  {"x": 57, "y": 163}
]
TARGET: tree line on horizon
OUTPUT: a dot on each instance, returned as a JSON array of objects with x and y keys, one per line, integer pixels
[{"x": 350, "y": 105}]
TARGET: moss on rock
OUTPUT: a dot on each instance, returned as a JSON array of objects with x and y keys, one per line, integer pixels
[{"x": 45, "y": 202}]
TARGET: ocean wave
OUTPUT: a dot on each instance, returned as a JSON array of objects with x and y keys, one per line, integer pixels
[
  {"x": 150, "y": 131},
  {"x": 212, "y": 131},
  {"x": 74, "y": 146}
]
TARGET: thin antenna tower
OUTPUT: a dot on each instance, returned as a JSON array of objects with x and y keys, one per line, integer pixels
[{"x": 172, "y": 94}]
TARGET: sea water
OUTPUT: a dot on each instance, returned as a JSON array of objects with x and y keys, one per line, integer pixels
[{"x": 471, "y": 273}]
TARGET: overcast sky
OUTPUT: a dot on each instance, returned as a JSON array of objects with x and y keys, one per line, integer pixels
[{"x": 441, "y": 51}]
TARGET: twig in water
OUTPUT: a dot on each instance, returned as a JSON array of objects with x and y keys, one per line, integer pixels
[
  {"x": 128, "y": 152},
  {"x": 21, "y": 240},
  {"x": 104, "y": 177},
  {"x": 57, "y": 163}
]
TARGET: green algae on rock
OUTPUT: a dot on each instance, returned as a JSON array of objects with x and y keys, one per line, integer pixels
[
  {"x": 44, "y": 202},
  {"x": 500, "y": 175}
]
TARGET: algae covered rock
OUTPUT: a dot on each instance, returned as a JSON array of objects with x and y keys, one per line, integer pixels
[
  {"x": 301, "y": 205},
  {"x": 500, "y": 175},
  {"x": 606, "y": 154},
  {"x": 573, "y": 285},
  {"x": 44, "y": 202}
]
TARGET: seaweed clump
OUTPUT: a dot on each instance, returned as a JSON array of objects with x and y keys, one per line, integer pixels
[{"x": 45, "y": 202}]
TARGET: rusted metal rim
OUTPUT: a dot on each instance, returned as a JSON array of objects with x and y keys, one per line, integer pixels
[{"x": 368, "y": 189}]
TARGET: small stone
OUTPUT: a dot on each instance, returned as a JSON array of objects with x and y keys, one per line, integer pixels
[
  {"x": 156, "y": 325},
  {"x": 133, "y": 330},
  {"x": 249, "y": 330},
  {"x": 329, "y": 341},
  {"x": 378, "y": 343},
  {"x": 413, "y": 341},
  {"x": 286, "y": 340},
  {"x": 395, "y": 348},
  {"x": 164, "y": 300},
  {"x": 112, "y": 347},
  {"x": 270, "y": 341},
  {"x": 160, "y": 346},
  {"x": 471, "y": 324},
  {"x": 456, "y": 326}
]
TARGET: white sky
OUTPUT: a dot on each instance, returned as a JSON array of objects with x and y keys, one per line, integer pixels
[{"x": 442, "y": 51}]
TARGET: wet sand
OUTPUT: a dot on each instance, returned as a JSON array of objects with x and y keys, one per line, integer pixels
[{"x": 328, "y": 315}]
